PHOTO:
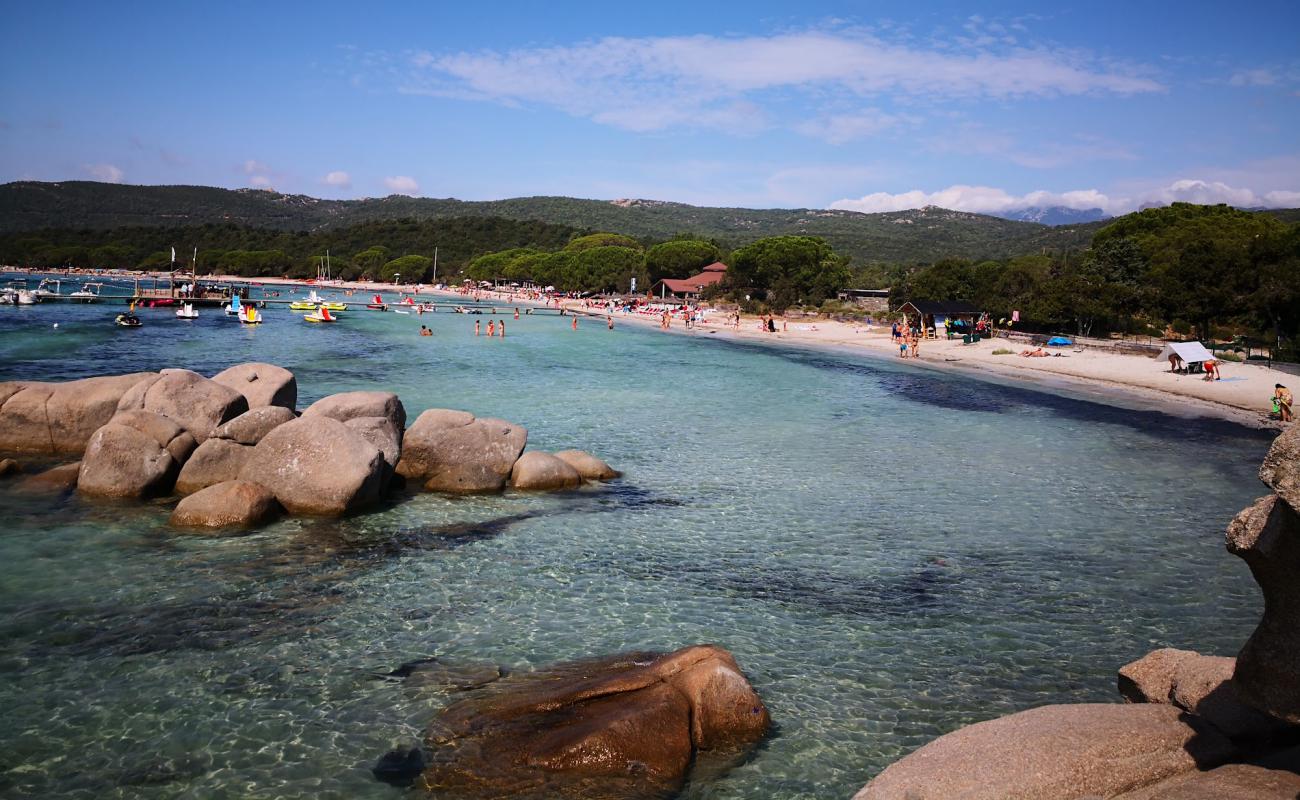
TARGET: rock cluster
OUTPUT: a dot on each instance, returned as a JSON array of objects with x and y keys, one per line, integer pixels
[
  {"x": 627, "y": 726},
  {"x": 1196, "y": 726},
  {"x": 236, "y": 446}
]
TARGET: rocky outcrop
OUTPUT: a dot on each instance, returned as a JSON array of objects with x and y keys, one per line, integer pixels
[
  {"x": 543, "y": 472},
  {"x": 261, "y": 384},
  {"x": 59, "y": 418},
  {"x": 627, "y": 726},
  {"x": 55, "y": 479},
  {"x": 317, "y": 465},
  {"x": 1267, "y": 537},
  {"x": 9, "y": 467},
  {"x": 249, "y": 427},
  {"x": 1274, "y": 779},
  {"x": 215, "y": 461},
  {"x": 587, "y": 465},
  {"x": 1281, "y": 468},
  {"x": 353, "y": 405},
  {"x": 1198, "y": 684},
  {"x": 136, "y": 455},
  {"x": 452, "y": 451},
  {"x": 195, "y": 403},
  {"x": 1057, "y": 752},
  {"x": 228, "y": 504}
]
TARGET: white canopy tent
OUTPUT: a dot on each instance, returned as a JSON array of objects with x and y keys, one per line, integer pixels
[{"x": 1189, "y": 352}]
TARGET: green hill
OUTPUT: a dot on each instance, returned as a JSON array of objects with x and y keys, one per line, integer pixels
[{"x": 919, "y": 235}]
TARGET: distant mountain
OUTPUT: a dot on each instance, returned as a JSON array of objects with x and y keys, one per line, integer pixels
[
  {"x": 1054, "y": 215},
  {"x": 918, "y": 235}
]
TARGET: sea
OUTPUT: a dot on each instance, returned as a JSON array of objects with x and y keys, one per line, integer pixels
[{"x": 890, "y": 553}]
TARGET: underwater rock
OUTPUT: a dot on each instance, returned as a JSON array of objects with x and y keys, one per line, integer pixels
[
  {"x": 400, "y": 767},
  {"x": 588, "y": 466},
  {"x": 9, "y": 467},
  {"x": 54, "y": 479}
]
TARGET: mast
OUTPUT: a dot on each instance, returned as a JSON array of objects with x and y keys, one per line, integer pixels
[{"x": 435, "y": 265}]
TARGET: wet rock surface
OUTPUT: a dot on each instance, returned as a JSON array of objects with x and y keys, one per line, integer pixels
[
  {"x": 224, "y": 505},
  {"x": 542, "y": 472},
  {"x": 588, "y": 466}
]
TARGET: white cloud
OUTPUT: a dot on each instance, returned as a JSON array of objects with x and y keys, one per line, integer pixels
[
  {"x": 842, "y": 128},
  {"x": 402, "y": 184},
  {"x": 990, "y": 200},
  {"x": 338, "y": 179},
  {"x": 253, "y": 167},
  {"x": 104, "y": 172},
  {"x": 259, "y": 182},
  {"x": 1254, "y": 77},
  {"x": 654, "y": 83}
]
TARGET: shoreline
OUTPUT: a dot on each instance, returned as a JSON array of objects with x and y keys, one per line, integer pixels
[{"x": 1115, "y": 379}]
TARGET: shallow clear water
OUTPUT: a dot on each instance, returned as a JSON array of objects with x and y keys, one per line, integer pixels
[{"x": 889, "y": 553}]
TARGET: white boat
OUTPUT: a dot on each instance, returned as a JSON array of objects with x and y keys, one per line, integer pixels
[
  {"x": 250, "y": 316},
  {"x": 42, "y": 293},
  {"x": 233, "y": 307},
  {"x": 85, "y": 295},
  {"x": 26, "y": 298},
  {"x": 187, "y": 312}
]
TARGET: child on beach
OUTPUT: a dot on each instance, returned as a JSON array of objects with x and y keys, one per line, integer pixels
[
  {"x": 1283, "y": 399},
  {"x": 1211, "y": 370}
]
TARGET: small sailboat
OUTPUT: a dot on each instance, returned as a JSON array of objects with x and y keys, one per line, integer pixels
[
  {"x": 322, "y": 315},
  {"x": 377, "y": 304},
  {"x": 187, "y": 312},
  {"x": 233, "y": 308},
  {"x": 250, "y": 316}
]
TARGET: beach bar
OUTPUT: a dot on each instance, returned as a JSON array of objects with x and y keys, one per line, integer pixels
[{"x": 932, "y": 316}]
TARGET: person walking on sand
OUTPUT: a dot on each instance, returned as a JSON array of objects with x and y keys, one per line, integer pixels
[
  {"x": 476, "y": 328},
  {"x": 916, "y": 346},
  {"x": 1283, "y": 399}
]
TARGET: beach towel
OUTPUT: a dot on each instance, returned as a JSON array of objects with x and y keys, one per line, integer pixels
[{"x": 1230, "y": 380}]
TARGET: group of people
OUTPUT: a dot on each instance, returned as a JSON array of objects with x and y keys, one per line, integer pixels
[
  {"x": 908, "y": 340},
  {"x": 494, "y": 328}
]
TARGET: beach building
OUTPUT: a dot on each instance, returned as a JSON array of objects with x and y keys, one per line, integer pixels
[
  {"x": 933, "y": 315},
  {"x": 874, "y": 300},
  {"x": 690, "y": 288}
]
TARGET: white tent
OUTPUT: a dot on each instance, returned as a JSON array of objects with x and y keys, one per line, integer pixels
[{"x": 1189, "y": 352}]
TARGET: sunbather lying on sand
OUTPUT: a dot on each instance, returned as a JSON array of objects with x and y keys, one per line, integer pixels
[{"x": 1038, "y": 353}]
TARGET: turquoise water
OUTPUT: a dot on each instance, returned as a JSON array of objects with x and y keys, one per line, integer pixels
[{"x": 889, "y": 553}]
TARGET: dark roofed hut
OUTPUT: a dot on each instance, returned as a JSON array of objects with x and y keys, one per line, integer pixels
[
  {"x": 692, "y": 287},
  {"x": 928, "y": 315}
]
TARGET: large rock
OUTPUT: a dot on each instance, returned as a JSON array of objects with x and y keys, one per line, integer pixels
[
  {"x": 252, "y": 425},
  {"x": 628, "y": 726},
  {"x": 538, "y": 471},
  {"x": 215, "y": 461},
  {"x": 1198, "y": 684},
  {"x": 1267, "y": 537},
  {"x": 380, "y": 432},
  {"x": 1281, "y": 467},
  {"x": 587, "y": 465},
  {"x": 261, "y": 384},
  {"x": 351, "y": 405},
  {"x": 59, "y": 418},
  {"x": 1270, "y": 779},
  {"x": 197, "y": 404},
  {"x": 1055, "y": 753},
  {"x": 137, "y": 455},
  {"x": 228, "y": 504},
  {"x": 452, "y": 451},
  {"x": 317, "y": 465},
  {"x": 55, "y": 479}
]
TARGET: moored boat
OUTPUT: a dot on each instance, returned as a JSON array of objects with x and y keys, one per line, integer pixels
[
  {"x": 250, "y": 316},
  {"x": 187, "y": 312},
  {"x": 377, "y": 304},
  {"x": 322, "y": 315}
]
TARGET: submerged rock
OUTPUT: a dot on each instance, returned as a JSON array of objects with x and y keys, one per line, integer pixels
[
  {"x": 1059, "y": 752},
  {"x": 1267, "y": 537},
  {"x": 452, "y": 451},
  {"x": 261, "y": 384},
  {"x": 59, "y": 418},
  {"x": 588, "y": 466},
  {"x": 228, "y": 504},
  {"x": 9, "y": 467},
  {"x": 54, "y": 479},
  {"x": 538, "y": 471},
  {"x": 400, "y": 767},
  {"x": 254, "y": 424},
  {"x": 317, "y": 465},
  {"x": 622, "y": 727}
]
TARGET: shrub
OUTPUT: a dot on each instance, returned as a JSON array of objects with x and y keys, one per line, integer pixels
[{"x": 1002, "y": 351}]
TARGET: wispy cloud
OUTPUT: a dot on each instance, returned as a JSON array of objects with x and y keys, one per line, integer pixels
[
  {"x": 338, "y": 179},
  {"x": 402, "y": 184},
  {"x": 991, "y": 200},
  {"x": 104, "y": 172},
  {"x": 656, "y": 83},
  {"x": 978, "y": 140},
  {"x": 843, "y": 128}
]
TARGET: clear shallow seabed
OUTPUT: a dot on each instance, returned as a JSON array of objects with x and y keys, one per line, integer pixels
[{"x": 890, "y": 553}]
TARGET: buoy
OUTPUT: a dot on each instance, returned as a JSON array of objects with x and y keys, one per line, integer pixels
[{"x": 56, "y": 324}]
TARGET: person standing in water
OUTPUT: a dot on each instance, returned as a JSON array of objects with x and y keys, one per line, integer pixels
[
  {"x": 491, "y": 329},
  {"x": 609, "y": 323},
  {"x": 575, "y": 322},
  {"x": 516, "y": 313},
  {"x": 476, "y": 328},
  {"x": 503, "y": 329}
]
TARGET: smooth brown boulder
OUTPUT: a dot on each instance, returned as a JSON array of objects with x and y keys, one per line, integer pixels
[
  {"x": 1266, "y": 780},
  {"x": 9, "y": 467},
  {"x": 1062, "y": 752},
  {"x": 587, "y": 465},
  {"x": 1281, "y": 468},
  {"x": 215, "y": 461},
  {"x": 55, "y": 479},
  {"x": 452, "y": 451},
  {"x": 122, "y": 461},
  {"x": 59, "y": 418},
  {"x": 317, "y": 465},
  {"x": 261, "y": 384},
  {"x": 627, "y": 726},
  {"x": 195, "y": 403},
  {"x": 1267, "y": 537},
  {"x": 177, "y": 441},
  {"x": 252, "y": 425},
  {"x": 380, "y": 432},
  {"x": 351, "y": 405},
  {"x": 543, "y": 472},
  {"x": 227, "y": 504},
  {"x": 1199, "y": 684}
]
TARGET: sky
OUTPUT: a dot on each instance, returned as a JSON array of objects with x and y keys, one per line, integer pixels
[{"x": 862, "y": 106}]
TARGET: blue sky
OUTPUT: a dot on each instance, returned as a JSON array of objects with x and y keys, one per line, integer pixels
[{"x": 865, "y": 106}]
